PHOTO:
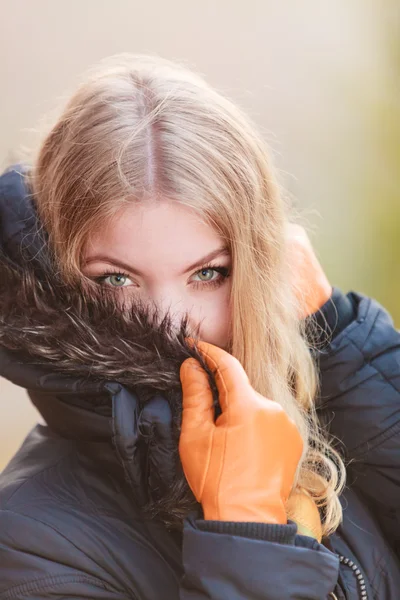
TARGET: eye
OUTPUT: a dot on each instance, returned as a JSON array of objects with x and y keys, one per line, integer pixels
[
  {"x": 116, "y": 280},
  {"x": 210, "y": 277},
  {"x": 207, "y": 274}
]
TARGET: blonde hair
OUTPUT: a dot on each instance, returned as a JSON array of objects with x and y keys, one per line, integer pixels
[{"x": 141, "y": 127}]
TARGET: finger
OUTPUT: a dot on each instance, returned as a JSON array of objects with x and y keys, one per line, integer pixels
[
  {"x": 198, "y": 408},
  {"x": 228, "y": 372}
]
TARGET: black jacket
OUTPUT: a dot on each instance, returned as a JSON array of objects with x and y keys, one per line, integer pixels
[{"x": 73, "y": 519}]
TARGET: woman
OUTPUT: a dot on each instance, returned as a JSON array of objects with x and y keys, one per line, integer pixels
[{"x": 142, "y": 252}]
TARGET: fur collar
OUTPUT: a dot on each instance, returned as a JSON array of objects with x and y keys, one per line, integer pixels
[
  {"x": 80, "y": 339},
  {"x": 83, "y": 334},
  {"x": 85, "y": 341}
]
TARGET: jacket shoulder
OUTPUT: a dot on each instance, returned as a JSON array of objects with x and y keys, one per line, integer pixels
[
  {"x": 64, "y": 529},
  {"x": 360, "y": 404},
  {"x": 360, "y": 368},
  {"x": 37, "y": 560},
  {"x": 369, "y": 337},
  {"x": 39, "y": 453}
]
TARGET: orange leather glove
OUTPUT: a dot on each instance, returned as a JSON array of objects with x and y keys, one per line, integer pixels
[
  {"x": 240, "y": 467},
  {"x": 311, "y": 285}
]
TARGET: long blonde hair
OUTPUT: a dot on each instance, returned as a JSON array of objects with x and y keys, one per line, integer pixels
[{"x": 141, "y": 127}]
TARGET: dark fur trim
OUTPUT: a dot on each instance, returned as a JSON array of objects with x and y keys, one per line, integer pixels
[{"x": 82, "y": 332}]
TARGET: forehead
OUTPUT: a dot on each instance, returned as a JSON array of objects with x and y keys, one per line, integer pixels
[{"x": 158, "y": 233}]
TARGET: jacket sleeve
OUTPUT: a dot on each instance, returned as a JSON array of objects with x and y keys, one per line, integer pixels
[
  {"x": 235, "y": 561},
  {"x": 38, "y": 563},
  {"x": 360, "y": 404},
  {"x": 247, "y": 561}
]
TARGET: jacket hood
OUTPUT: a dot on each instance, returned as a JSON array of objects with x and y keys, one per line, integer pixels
[{"x": 91, "y": 368}]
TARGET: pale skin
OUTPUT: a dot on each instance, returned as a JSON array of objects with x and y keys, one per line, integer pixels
[
  {"x": 163, "y": 254},
  {"x": 163, "y": 250}
]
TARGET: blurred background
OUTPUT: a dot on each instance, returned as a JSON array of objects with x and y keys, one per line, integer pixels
[{"x": 321, "y": 79}]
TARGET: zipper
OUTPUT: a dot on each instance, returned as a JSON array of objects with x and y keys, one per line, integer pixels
[{"x": 358, "y": 575}]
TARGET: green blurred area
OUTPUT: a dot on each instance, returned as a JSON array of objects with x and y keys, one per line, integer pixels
[{"x": 369, "y": 260}]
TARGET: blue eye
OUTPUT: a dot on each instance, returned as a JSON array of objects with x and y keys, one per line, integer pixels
[
  {"x": 207, "y": 274},
  {"x": 210, "y": 277},
  {"x": 115, "y": 280}
]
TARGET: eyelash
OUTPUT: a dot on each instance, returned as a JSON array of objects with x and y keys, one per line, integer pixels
[
  {"x": 224, "y": 273},
  {"x": 101, "y": 278}
]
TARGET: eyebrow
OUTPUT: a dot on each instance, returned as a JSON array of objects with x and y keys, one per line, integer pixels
[{"x": 222, "y": 251}]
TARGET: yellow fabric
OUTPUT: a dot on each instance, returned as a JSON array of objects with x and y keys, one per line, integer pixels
[{"x": 302, "y": 509}]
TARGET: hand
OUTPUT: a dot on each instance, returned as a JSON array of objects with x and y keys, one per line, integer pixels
[
  {"x": 311, "y": 286},
  {"x": 240, "y": 467}
]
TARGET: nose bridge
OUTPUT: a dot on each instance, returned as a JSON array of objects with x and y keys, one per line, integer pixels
[{"x": 168, "y": 299}]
